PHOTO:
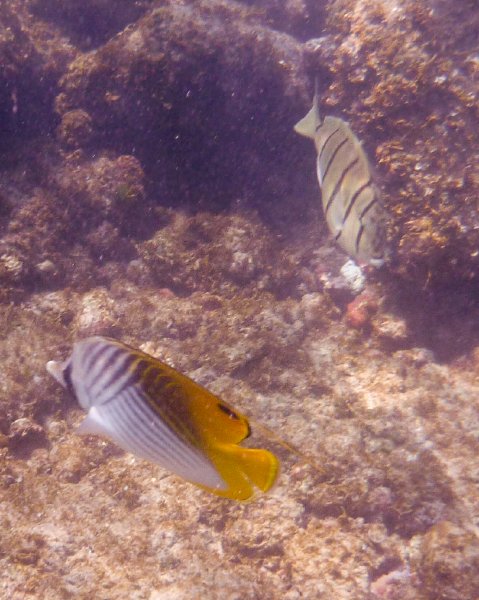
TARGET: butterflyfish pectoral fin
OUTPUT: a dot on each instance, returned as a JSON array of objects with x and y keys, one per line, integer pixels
[
  {"x": 55, "y": 369},
  {"x": 243, "y": 470}
]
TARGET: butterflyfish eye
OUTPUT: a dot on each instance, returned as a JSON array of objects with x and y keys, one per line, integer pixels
[{"x": 228, "y": 411}]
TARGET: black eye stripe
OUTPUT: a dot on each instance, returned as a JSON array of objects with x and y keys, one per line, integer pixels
[
  {"x": 228, "y": 411},
  {"x": 67, "y": 376}
]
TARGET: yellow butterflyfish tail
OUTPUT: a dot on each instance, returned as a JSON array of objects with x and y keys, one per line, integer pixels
[
  {"x": 259, "y": 465},
  {"x": 243, "y": 469}
]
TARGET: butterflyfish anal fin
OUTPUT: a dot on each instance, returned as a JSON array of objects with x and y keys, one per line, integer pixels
[{"x": 93, "y": 424}]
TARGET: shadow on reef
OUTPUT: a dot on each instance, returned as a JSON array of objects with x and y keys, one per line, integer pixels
[
  {"x": 302, "y": 19},
  {"x": 90, "y": 23},
  {"x": 206, "y": 119},
  {"x": 19, "y": 120},
  {"x": 444, "y": 319}
]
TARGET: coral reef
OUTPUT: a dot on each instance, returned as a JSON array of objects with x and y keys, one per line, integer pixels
[
  {"x": 174, "y": 87},
  {"x": 152, "y": 189},
  {"x": 300, "y": 18},
  {"x": 405, "y": 74},
  {"x": 449, "y": 563}
]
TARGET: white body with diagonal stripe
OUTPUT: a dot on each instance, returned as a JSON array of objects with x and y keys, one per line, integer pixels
[{"x": 117, "y": 406}]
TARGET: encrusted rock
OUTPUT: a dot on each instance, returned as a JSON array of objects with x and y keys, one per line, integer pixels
[
  {"x": 11, "y": 267},
  {"x": 448, "y": 566},
  {"x": 108, "y": 187},
  {"x": 75, "y": 129},
  {"x": 353, "y": 276},
  {"x": 113, "y": 227},
  {"x": 395, "y": 585},
  {"x": 94, "y": 21},
  {"x": 25, "y": 435},
  {"x": 392, "y": 330},
  {"x": 360, "y": 311},
  {"x": 404, "y": 76},
  {"x": 96, "y": 315},
  {"x": 215, "y": 253}
]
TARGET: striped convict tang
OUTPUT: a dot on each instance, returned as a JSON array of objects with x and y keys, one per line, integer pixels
[
  {"x": 159, "y": 414},
  {"x": 350, "y": 198}
]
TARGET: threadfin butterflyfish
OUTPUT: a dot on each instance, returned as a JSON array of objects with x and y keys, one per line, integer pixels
[
  {"x": 350, "y": 198},
  {"x": 157, "y": 413}
]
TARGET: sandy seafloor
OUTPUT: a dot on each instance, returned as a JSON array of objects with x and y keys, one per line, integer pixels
[{"x": 152, "y": 189}]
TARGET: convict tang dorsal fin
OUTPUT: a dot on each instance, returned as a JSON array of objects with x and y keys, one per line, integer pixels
[{"x": 308, "y": 124}]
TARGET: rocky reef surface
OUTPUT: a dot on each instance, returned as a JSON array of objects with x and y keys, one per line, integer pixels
[{"x": 152, "y": 189}]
